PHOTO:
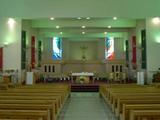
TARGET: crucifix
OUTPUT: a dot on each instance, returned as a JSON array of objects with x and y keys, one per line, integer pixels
[{"x": 83, "y": 48}]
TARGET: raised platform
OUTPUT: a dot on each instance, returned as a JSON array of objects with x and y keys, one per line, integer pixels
[{"x": 84, "y": 87}]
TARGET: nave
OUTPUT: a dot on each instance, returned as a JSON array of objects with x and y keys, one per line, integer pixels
[
  {"x": 86, "y": 106},
  {"x": 57, "y": 102}
]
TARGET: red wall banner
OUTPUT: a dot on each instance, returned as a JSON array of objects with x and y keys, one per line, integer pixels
[
  {"x": 134, "y": 58},
  {"x": 33, "y": 52},
  {"x": 1, "y": 58}
]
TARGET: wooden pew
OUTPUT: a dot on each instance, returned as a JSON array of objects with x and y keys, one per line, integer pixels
[
  {"x": 48, "y": 86},
  {"x": 144, "y": 115},
  {"x": 21, "y": 119},
  {"x": 54, "y": 95},
  {"x": 118, "y": 106},
  {"x": 34, "y": 102},
  {"x": 64, "y": 95},
  {"x": 52, "y": 98},
  {"x": 102, "y": 92},
  {"x": 118, "y": 96},
  {"x": 42, "y": 92},
  {"x": 128, "y": 107},
  {"x": 130, "y": 90},
  {"x": 57, "y": 96},
  {"x": 111, "y": 89},
  {"x": 132, "y": 94},
  {"x": 20, "y": 106},
  {"x": 24, "y": 114}
]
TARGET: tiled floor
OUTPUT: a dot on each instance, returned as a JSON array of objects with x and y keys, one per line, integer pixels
[{"x": 86, "y": 106}]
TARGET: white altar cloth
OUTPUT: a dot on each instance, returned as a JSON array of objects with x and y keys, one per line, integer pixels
[{"x": 83, "y": 74}]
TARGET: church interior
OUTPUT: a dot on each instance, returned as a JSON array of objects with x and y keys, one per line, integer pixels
[{"x": 79, "y": 60}]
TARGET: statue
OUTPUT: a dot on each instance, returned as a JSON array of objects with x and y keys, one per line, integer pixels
[{"x": 83, "y": 48}]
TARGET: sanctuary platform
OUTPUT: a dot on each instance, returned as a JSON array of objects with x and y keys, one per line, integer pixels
[
  {"x": 92, "y": 87},
  {"x": 84, "y": 87}
]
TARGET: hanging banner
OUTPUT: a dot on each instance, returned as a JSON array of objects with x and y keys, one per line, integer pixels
[
  {"x": 1, "y": 58},
  {"x": 39, "y": 53},
  {"x": 134, "y": 58},
  {"x": 143, "y": 46},
  {"x": 127, "y": 53},
  {"x": 33, "y": 52},
  {"x": 23, "y": 49}
]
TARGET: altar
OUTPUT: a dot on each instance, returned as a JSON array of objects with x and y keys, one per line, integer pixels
[{"x": 82, "y": 77}]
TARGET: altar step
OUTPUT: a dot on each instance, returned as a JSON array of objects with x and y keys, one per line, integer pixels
[{"x": 84, "y": 87}]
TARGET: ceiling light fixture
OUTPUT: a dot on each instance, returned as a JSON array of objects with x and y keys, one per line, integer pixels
[
  {"x": 109, "y": 26},
  {"x": 57, "y": 27},
  {"x": 114, "y": 18},
  {"x": 61, "y": 33},
  {"x": 52, "y": 18},
  {"x": 83, "y": 32},
  {"x": 88, "y": 18},
  {"x": 6, "y": 44},
  {"x": 156, "y": 20},
  {"x": 83, "y": 26},
  {"x": 79, "y": 18},
  {"x": 11, "y": 23},
  {"x": 105, "y": 33}
]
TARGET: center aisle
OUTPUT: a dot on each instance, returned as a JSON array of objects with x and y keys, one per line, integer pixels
[{"x": 86, "y": 106}]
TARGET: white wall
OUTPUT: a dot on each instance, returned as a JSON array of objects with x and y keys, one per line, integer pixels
[
  {"x": 101, "y": 49},
  {"x": 119, "y": 48},
  {"x": 153, "y": 47},
  {"x": 11, "y": 36},
  {"x": 65, "y": 46},
  {"x": 75, "y": 50},
  {"x": 47, "y": 50}
]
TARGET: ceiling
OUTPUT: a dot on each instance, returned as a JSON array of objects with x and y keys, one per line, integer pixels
[
  {"x": 65, "y": 13},
  {"x": 85, "y": 27},
  {"x": 83, "y": 8}
]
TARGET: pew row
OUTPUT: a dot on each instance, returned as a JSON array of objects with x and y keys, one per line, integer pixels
[
  {"x": 136, "y": 96},
  {"x": 144, "y": 115},
  {"x": 128, "y": 107},
  {"x": 46, "y": 98}
]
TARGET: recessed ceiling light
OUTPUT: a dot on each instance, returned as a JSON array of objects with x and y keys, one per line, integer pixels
[
  {"x": 88, "y": 18},
  {"x": 11, "y": 23},
  {"x": 109, "y": 26},
  {"x": 83, "y": 26},
  {"x": 156, "y": 20},
  {"x": 114, "y": 18},
  {"x": 83, "y": 32},
  {"x": 6, "y": 44},
  {"x": 105, "y": 33},
  {"x": 61, "y": 33},
  {"x": 52, "y": 18},
  {"x": 79, "y": 18},
  {"x": 57, "y": 26}
]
